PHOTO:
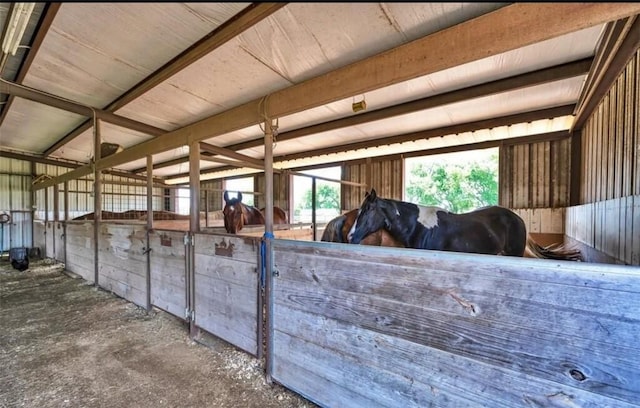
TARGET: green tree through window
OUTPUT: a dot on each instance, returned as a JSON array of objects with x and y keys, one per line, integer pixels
[{"x": 458, "y": 186}]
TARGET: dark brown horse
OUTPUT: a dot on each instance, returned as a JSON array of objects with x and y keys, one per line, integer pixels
[
  {"x": 238, "y": 214},
  {"x": 338, "y": 228},
  {"x": 489, "y": 230}
]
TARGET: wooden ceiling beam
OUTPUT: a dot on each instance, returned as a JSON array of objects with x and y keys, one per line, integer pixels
[
  {"x": 619, "y": 47},
  {"x": 245, "y": 19},
  {"x": 508, "y": 28},
  {"x": 426, "y": 134},
  {"x": 539, "y": 77},
  {"x": 50, "y": 11}
]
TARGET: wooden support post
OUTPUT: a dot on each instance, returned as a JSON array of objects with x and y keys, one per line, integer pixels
[
  {"x": 46, "y": 219},
  {"x": 56, "y": 218},
  {"x": 313, "y": 207},
  {"x": 268, "y": 240},
  {"x": 194, "y": 227},
  {"x": 149, "y": 227},
  {"x": 66, "y": 217},
  {"x": 33, "y": 202},
  {"x": 97, "y": 200}
]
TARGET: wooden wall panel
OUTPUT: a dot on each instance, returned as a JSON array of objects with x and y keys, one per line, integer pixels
[
  {"x": 122, "y": 261},
  {"x": 535, "y": 175},
  {"x": 429, "y": 328},
  {"x": 385, "y": 176},
  {"x": 214, "y": 196},
  {"x": 39, "y": 236},
  {"x": 227, "y": 283},
  {"x": 611, "y": 141},
  {"x": 80, "y": 249},
  {"x": 167, "y": 257},
  {"x": 50, "y": 244},
  {"x": 280, "y": 191},
  {"x": 611, "y": 227}
]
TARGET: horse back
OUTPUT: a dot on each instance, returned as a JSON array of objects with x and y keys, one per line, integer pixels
[{"x": 492, "y": 230}]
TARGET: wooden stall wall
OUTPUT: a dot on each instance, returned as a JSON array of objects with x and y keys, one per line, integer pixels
[
  {"x": 167, "y": 258},
  {"x": 50, "y": 240},
  {"x": 535, "y": 175},
  {"x": 80, "y": 249},
  {"x": 58, "y": 231},
  {"x": 227, "y": 288},
  {"x": 396, "y": 327},
  {"x": 385, "y": 175},
  {"x": 39, "y": 236},
  {"x": 122, "y": 261},
  {"x": 281, "y": 191},
  {"x": 607, "y": 219},
  {"x": 211, "y": 195}
]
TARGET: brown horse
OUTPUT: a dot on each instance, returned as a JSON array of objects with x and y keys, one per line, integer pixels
[
  {"x": 338, "y": 228},
  {"x": 238, "y": 214}
]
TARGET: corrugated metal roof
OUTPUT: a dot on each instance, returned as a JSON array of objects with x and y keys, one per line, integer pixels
[{"x": 94, "y": 53}]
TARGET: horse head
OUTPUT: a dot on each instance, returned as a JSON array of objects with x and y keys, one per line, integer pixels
[
  {"x": 371, "y": 217},
  {"x": 233, "y": 213}
]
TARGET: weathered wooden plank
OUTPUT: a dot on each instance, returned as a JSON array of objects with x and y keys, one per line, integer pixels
[
  {"x": 241, "y": 248},
  {"x": 480, "y": 308},
  {"x": 80, "y": 250},
  {"x": 227, "y": 282},
  {"x": 383, "y": 370},
  {"x": 635, "y": 250},
  {"x": 122, "y": 262}
]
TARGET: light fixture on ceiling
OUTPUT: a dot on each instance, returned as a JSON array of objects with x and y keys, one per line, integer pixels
[
  {"x": 15, "y": 29},
  {"x": 359, "y": 106}
]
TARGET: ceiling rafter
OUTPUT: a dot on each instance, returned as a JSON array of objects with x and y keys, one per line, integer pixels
[
  {"x": 534, "y": 78},
  {"x": 245, "y": 19},
  {"x": 413, "y": 136},
  {"x": 478, "y": 38},
  {"x": 51, "y": 9}
]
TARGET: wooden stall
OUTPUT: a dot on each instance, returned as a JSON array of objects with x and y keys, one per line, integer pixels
[
  {"x": 227, "y": 288},
  {"x": 356, "y": 326}
]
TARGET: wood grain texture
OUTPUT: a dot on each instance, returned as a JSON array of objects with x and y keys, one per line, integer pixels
[
  {"x": 496, "y": 331},
  {"x": 122, "y": 261},
  {"x": 168, "y": 287},
  {"x": 80, "y": 251},
  {"x": 227, "y": 288}
]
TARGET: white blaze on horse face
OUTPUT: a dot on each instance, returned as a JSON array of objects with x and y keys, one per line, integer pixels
[{"x": 427, "y": 216}]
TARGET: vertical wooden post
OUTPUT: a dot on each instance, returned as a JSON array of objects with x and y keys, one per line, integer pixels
[
  {"x": 46, "y": 219},
  {"x": 33, "y": 202},
  {"x": 194, "y": 227},
  {"x": 56, "y": 218},
  {"x": 206, "y": 208},
  {"x": 66, "y": 217},
  {"x": 149, "y": 227},
  {"x": 268, "y": 240},
  {"x": 97, "y": 199},
  {"x": 575, "y": 178},
  {"x": 313, "y": 207}
]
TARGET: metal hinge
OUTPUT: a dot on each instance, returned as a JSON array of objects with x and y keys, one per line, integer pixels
[
  {"x": 189, "y": 239},
  {"x": 190, "y": 315}
]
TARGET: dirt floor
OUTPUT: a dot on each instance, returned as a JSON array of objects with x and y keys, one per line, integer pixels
[{"x": 64, "y": 343}]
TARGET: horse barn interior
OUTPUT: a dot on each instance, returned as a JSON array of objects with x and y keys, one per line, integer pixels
[{"x": 108, "y": 111}]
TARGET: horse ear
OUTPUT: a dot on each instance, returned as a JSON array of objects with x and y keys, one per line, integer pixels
[
  {"x": 226, "y": 196},
  {"x": 239, "y": 196},
  {"x": 373, "y": 195}
]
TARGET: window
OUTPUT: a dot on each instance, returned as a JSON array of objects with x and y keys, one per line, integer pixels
[
  {"x": 243, "y": 185},
  {"x": 327, "y": 195},
  {"x": 459, "y": 182}
]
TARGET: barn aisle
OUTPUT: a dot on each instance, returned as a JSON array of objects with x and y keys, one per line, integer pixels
[{"x": 65, "y": 344}]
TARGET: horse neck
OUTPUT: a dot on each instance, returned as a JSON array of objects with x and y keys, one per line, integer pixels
[
  {"x": 408, "y": 228},
  {"x": 252, "y": 215}
]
